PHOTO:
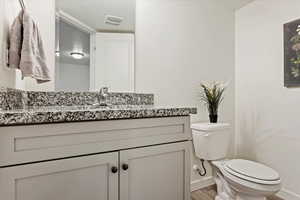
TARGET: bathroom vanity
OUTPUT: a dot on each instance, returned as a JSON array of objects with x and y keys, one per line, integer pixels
[{"x": 135, "y": 152}]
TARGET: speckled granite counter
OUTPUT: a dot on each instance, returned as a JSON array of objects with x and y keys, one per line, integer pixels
[
  {"x": 61, "y": 114},
  {"x": 19, "y": 107}
]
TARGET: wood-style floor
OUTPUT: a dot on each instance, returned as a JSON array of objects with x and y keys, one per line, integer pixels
[{"x": 210, "y": 194}]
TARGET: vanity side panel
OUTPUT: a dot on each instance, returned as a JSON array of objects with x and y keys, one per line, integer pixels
[{"x": 24, "y": 144}]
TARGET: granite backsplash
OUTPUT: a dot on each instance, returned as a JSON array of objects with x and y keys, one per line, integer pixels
[{"x": 12, "y": 99}]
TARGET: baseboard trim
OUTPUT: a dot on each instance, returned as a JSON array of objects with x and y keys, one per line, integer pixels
[
  {"x": 202, "y": 183},
  {"x": 288, "y": 195},
  {"x": 209, "y": 181}
]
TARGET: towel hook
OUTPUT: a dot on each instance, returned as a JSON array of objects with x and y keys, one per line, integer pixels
[{"x": 22, "y": 4}]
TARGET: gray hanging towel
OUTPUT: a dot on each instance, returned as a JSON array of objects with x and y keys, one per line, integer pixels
[
  {"x": 26, "y": 50},
  {"x": 15, "y": 42}
]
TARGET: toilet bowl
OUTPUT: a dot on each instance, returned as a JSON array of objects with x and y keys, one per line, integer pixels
[
  {"x": 248, "y": 179},
  {"x": 236, "y": 179}
]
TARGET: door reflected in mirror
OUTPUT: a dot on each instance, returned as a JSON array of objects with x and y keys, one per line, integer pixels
[{"x": 95, "y": 45}]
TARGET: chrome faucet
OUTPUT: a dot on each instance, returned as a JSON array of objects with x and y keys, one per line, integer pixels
[{"x": 102, "y": 97}]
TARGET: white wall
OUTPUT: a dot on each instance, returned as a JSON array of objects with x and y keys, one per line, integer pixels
[
  {"x": 73, "y": 77},
  {"x": 267, "y": 114},
  {"x": 180, "y": 43}
]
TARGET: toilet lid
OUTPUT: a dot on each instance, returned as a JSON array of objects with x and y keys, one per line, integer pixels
[{"x": 252, "y": 171}]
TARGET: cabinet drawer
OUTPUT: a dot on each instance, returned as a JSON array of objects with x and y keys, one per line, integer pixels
[{"x": 24, "y": 144}]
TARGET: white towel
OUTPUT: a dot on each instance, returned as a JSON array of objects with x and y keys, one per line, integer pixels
[{"x": 26, "y": 50}]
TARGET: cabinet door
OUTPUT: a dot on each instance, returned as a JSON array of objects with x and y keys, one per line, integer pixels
[
  {"x": 158, "y": 172},
  {"x": 82, "y": 178}
]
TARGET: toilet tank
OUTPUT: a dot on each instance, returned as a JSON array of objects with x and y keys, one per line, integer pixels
[{"x": 211, "y": 141}]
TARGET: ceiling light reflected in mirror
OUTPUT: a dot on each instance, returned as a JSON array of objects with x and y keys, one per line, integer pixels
[{"x": 77, "y": 55}]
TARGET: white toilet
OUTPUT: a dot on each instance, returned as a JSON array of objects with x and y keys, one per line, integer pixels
[{"x": 236, "y": 179}]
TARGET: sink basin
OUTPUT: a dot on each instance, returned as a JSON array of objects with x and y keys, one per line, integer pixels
[
  {"x": 98, "y": 107},
  {"x": 71, "y": 108},
  {"x": 88, "y": 107}
]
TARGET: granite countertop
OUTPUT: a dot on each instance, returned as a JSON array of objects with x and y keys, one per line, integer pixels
[{"x": 59, "y": 114}]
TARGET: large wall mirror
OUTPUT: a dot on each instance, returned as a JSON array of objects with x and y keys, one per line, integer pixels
[
  {"x": 95, "y": 45},
  {"x": 89, "y": 44}
]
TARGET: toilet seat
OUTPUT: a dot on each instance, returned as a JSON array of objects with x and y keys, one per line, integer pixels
[
  {"x": 242, "y": 183},
  {"x": 252, "y": 171}
]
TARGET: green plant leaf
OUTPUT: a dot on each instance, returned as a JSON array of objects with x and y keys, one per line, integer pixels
[{"x": 212, "y": 97}]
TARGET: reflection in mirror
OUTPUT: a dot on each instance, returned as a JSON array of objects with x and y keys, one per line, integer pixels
[{"x": 95, "y": 45}]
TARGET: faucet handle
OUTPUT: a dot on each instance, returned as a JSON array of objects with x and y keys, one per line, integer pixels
[{"x": 104, "y": 90}]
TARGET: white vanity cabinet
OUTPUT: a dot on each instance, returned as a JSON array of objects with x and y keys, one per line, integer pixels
[{"x": 142, "y": 159}]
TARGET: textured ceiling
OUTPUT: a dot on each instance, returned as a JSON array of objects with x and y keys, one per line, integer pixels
[
  {"x": 92, "y": 12},
  {"x": 236, "y": 4}
]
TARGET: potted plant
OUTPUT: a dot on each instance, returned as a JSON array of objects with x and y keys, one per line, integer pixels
[{"x": 212, "y": 97}]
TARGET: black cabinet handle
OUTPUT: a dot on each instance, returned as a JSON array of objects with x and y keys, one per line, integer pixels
[
  {"x": 114, "y": 169},
  {"x": 125, "y": 167}
]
